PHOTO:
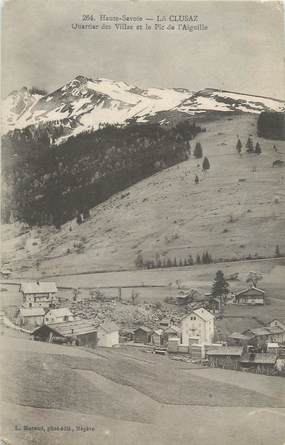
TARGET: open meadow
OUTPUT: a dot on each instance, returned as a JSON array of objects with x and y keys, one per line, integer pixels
[{"x": 122, "y": 393}]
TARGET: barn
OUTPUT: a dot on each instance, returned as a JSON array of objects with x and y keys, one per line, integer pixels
[
  {"x": 79, "y": 332},
  {"x": 261, "y": 363},
  {"x": 226, "y": 357}
]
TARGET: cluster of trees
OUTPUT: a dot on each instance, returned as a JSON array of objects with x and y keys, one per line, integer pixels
[
  {"x": 250, "y": 148},
  {"x": 158, "y": 263},
  {"x": 271, "y": 125},
  {"x": 47, "y": 184}
]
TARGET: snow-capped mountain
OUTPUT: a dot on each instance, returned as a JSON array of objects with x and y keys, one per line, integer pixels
[
  {"x": 16, "y": 107},
  {"x": 220, "y": 100},
  {"x": 85, "y": 104}
]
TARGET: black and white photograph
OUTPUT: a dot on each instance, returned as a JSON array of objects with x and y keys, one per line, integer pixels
[{"x": 142, "y": 276}]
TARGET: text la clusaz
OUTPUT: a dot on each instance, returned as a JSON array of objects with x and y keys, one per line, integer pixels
[{"x": 177, "y": 18}]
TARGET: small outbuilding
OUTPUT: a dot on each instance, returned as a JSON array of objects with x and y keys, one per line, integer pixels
[
  {"x": 143, "y": 335},
  {"x": 157, "y": 337},
  {"x": 171, "y": 332},
  {"x": 108, "y": 334}
]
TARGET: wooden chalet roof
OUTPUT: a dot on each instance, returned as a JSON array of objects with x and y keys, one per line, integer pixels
[
  {"x": 69, "y": 328},
  {"x": 143, "y": 328},
  {"x": 239, "y": 336},
  {"x": 32, "y": 312},
  {"x": 226, "y": 350},
  {"x": 244, "y": 291},
  {"x": 264, "y": 331},
  {"x": 260, "y": 358}
]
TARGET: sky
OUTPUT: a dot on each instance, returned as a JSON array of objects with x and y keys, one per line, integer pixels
[{"x": 242, "y": 50}]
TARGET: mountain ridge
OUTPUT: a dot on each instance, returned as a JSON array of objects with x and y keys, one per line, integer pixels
[{"x": 84, "y": 104}]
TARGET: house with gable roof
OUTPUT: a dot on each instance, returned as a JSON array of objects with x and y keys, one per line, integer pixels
[
  {"x": 39, "y": 294},
  {"x": 200, "y": 323},
  {"x": 252, "y": 295}
]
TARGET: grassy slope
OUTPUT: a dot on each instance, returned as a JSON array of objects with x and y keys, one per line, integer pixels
[
  {"x": 168, "y": 214},
  {"x": 131, "y": 396}
]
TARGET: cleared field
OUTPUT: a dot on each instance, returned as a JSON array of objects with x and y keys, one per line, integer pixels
[{"x": 128, "y": 397}]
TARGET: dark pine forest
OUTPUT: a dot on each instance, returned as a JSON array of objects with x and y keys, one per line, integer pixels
[{"x": 44, "y": 183}]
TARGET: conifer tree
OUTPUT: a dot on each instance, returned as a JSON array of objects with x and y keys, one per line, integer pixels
[
  {"x": 196, "y": 180},
  {"x": 198, "y": 151},
  {"x": 220, "y": 287},
  {"x": 206, "y": 164},
  {"x": 239, "y": 146},
  {"x": 249, "y": 145}
]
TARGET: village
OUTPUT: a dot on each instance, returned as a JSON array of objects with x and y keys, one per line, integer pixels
[{"x": 185, "y": 328}]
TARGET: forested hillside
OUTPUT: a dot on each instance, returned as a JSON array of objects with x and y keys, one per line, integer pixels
[{"x": 49, "y": 184}]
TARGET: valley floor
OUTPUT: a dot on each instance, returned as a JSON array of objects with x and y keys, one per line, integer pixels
[{"x": 132, "y": 397}]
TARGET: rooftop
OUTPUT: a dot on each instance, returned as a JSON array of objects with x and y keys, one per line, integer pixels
[
  {"x": 201, "y": 313},
  {"x": 60, "y": 312},
  {"x": 32, "y": 312},
  {"x": 109, "y": 326},
  {"x": 265, "y": 331},
  {"x": 226, "y": 350},
  {"x": 143, "y": 328},
  {"x": 260, "y": 358},
  {"x": 70, "y": 328},
  {"x": 250, "y": 288}
]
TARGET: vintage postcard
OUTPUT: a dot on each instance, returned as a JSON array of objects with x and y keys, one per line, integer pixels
[{"x": 142, "y": 289}]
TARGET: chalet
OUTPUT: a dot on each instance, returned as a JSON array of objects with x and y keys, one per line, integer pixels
[
  {"x": 143, "y": 335},
  {"x": 276, "y": 323},
  {"x": 108, "y": 334},
  {"x": 267, "y": 334},
  {"x": 183, "y": 298},
  {"x": 58, "y": 315},
  {"x": 199, "y": 323},
  {"x": 227, "y": 357},
  {"x": 250, "y": 296},
  {"x": 261, "y": 363},
  {"x": 31, "y": 317},
  {"x": 79, "y": 332},
  {"x": 39, "y": 294}
]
